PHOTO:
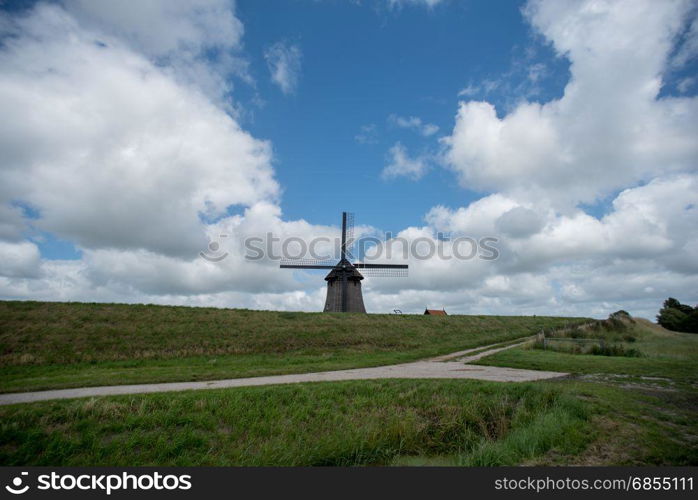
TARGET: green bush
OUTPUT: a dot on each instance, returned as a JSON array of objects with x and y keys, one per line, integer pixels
[
  {"x": 678, "y": 317},
  {"x": 614, "y": 350}
]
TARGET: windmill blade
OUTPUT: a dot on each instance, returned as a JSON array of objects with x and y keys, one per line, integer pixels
[
  {"x": 383, "y": 270},
  {"x": 384, "y": 273},
  {"x": 363, "y": 265},
  {"x": 350, "y": 236},
  {"x": 300, "y": 266},
  {"x": 308, "y": 262}
]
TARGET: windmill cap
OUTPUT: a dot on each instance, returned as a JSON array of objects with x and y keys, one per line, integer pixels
[{"x": 336, "y": 273}]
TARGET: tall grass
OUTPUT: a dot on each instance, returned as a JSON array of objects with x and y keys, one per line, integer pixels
[
  {"x": 557, "y": 427},
  {"x": 350, "y": 423}
]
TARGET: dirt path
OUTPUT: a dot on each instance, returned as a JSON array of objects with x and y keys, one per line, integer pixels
[{"x": 451, "y": 366}]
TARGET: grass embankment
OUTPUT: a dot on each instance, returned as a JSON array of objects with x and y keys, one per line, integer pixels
[
  {"x": 604, "y": 419},
  {"x": 347, "y": 423},
  {"x": 60, "y": 345}
]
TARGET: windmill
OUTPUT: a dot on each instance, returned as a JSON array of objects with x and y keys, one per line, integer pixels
[{"x": 344, "y": 278}]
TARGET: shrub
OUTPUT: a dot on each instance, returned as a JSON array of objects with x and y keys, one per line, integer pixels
[
  {"x": 614, "y": 350},
  {"x": 678, "y": 317},
  {"x": 621, "y": 315}
]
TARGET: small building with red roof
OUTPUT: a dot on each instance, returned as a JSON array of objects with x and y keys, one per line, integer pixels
[{"x": 435, "y": 312}]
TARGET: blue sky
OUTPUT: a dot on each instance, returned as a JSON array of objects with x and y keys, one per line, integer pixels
[
  {"x": 135, "y": 135},
  {"x": 361, "y": 65}
]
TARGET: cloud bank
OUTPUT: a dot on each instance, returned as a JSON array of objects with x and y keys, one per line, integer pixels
[{"x": 120, "y": 136}]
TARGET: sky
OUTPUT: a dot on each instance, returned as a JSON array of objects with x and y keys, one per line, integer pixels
[{"x": 135, "y": 136}]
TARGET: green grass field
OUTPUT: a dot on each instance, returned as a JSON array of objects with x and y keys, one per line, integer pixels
[
  {"x": 59, "y": 345},
  {"x": 613, "y": 410}
]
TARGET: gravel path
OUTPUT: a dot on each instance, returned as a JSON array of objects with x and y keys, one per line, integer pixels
[{"x": 451, "y": 366}]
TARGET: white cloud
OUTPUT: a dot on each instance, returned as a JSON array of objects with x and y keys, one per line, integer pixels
[
  {"x": 469, "y": 90},
  {"x": 688, "y": 50},
  {"x": 284, "y": 62},
  {"x": 198, "y": 41},
  {"x": 519, "y": 222},
  {"x": 112, "y": 151},
  {"x": 123, "y": 155},
  {"x": 12, "y": 222},
  {"x": 685, "y": 84},
  {"x": 608, "y": 131},
  {"x": 536, "y": 71},
  {"x": 642, "y": 251},
  {"x": 19, "y": 260},
  {"x": 402, "y": 165},
  {"x": 415, "y": 123},
  {"x": 367, "y": 134},
  {"x": 425, "y": 3},
  {"x": 488, "y": 86},
  {"x": 123, "y": 159},
  {"x": 164, "y": 27}
]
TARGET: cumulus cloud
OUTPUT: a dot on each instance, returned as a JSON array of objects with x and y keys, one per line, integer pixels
[
  {"x": 402, "y": 165},
  {"x": 284, "y": 62},
  {"x": 609, "y": 134},
  {"x": 197, "y": 41},
  {"x": 111, "y": 150},
  {"x": 19, "y": 260},
  {"x": 609, "y": 130},
  {"x": 579, "y": 261},
  {"x": 519, "y": 222},
  {"x": 118, "y": 155},
  {"x": 117, "y": 151},
  {"x": 164, "y": 28}
]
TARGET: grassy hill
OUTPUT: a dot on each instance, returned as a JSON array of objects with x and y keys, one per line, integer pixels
[
  {"x": 616, "y": 409},
  {"x": 46, "y": 345}
]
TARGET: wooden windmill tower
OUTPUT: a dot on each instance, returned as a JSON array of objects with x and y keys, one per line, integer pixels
[{"x": 344, "y": 279}]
